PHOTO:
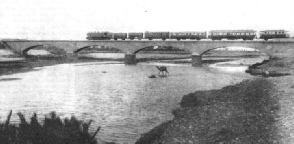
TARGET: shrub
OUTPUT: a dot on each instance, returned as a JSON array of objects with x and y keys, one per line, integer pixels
[{"x": 53, "y": 130}]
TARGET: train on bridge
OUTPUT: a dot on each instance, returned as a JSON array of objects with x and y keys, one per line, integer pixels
[{"x": 191, "y": 35}]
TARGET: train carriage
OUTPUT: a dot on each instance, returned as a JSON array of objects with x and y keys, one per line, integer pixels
[
  {"x": 271, "y": 34},
  {"x": 121, "y": 36},
  {"x": 188, "y": 35},
  {"x": 99, "y": 35},
  {"x": 214, "y": 35},
  {"x": 135, "y": 35},
  {"x": 232, "y": 34},
  {"x": 157, "y": 35}
]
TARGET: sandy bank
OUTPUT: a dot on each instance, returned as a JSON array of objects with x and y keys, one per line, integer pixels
[{"x": 242, "y": 113}]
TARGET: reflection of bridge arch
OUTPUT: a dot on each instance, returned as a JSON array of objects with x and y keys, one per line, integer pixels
[
  {"x": 93, "y": 47},
  {"x": 50, "y": 48}
]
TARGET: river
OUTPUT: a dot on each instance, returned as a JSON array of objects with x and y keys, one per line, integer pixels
[{"x": 120, "y": 98}]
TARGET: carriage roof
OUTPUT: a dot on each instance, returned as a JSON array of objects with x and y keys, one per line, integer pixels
[
  {"x": 189, "y": 32},
  {"x": 230, "y": 31},
  {"x": 272, "y": 30}
]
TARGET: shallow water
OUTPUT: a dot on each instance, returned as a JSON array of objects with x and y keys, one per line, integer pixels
[{"x": 119, "y": 98}]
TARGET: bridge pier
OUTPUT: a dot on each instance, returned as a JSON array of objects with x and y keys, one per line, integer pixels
[
  {"x": 130, "y": 59},
  {"x": 196, "y": 60},
  {"x": 71, "y": 57}
]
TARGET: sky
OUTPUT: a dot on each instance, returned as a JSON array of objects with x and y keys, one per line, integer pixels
[{"x": 72, "y": 19}]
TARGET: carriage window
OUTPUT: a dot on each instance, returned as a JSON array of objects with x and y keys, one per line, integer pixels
[{"x": 238, "y": 33}]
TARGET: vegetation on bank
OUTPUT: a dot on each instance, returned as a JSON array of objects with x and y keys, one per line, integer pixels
[
  {"x": 52, "y": 130},
  {"x": 242, "y": 113},
  {"x": 275, "y": 66}
]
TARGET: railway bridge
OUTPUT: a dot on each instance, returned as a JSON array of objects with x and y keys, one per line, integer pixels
[{"x": 130, "y": 48}]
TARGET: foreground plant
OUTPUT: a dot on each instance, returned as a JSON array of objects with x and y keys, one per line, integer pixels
[{"x": 53, "y": 130}]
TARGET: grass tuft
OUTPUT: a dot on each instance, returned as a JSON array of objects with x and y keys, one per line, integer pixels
[{"x": 52, "y": 130}]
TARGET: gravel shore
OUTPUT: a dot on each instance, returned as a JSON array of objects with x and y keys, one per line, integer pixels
[{"x": 259, "y": 110}]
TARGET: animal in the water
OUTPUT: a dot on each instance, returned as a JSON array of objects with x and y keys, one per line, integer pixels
[{"x": 162, "y": 70}]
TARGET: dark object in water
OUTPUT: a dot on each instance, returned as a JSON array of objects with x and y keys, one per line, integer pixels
[
  {"x": 266, "y": 73},
  {"x": 9, "y": 79},
  {"x": 103, "y": 71},
  {"x": 277, "y": 73},
  {"x": 152, "y": 76}
]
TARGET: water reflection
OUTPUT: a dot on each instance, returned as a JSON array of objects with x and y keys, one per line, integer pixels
[
  {"x": 9, "y": 79},
  {"x": 238, "y": 65},
  {"x": 123, "y": 100}
]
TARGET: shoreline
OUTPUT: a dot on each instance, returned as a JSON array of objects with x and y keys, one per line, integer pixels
[{"x": 257, "y": 110}]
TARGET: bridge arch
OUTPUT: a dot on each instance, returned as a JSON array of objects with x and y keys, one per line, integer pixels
[
  {"x": 237, "y": 47},
  {"x": 106, "y": 47},
  {"x": 50, "y": 48},
  {"x": 163, "y": 47}
]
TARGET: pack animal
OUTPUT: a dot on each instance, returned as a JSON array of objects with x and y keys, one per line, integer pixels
[{"x": 162, "y": 70}]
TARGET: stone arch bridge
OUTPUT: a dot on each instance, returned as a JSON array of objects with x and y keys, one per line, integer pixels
[{"x": 130, "y": 48}]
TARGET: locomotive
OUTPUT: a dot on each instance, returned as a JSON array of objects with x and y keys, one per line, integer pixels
[{"x": 191, "y": 35}]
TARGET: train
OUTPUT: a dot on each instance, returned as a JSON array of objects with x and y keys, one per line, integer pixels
[{"x": 190, "y": 35}]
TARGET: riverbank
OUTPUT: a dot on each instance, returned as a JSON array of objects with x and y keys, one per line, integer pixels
[
  {"x": 258, "y": 110},
  {"x": 242, "y": 113}
]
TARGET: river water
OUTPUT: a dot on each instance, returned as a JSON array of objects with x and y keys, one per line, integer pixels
[{"x": 122, "y": 99}]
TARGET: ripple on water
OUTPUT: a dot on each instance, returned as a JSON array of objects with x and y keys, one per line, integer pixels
[{"x": 123, "y": 100}]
